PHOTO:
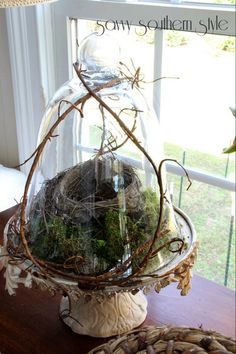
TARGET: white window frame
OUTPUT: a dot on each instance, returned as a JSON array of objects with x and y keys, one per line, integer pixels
[{"x": 40, "y": 59}]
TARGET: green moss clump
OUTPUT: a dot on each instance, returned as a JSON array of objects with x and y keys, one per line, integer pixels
[
  {"x": 114, "y": 239},
  {"x": 151, "y": 211},
  {"x": 137, "y": 237},
  {"x": 101, "y": 242},
  {"x": 58, "y": 241}
]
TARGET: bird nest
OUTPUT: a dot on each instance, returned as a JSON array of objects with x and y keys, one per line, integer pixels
[
  {"x": 78, "y": 216},
  {"x": 171, "y": 340},
  {"x": 87, "y": 190}
]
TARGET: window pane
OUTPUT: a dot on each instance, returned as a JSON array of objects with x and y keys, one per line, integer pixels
[
  {"x": 195, "y": 112},
  {"x": 212, "y": 211}
]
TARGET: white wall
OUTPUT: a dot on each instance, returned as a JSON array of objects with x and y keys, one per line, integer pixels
[{"x": 8, "y": 137}]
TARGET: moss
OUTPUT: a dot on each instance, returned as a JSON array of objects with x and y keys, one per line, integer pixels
[
  {"x": 151, "y": 211},
  {"x": 114, "y": 239},
  {"x": 59, "y": 241},
  {"x": 106, "y": 237},
  {"x": 137, "y": 237},
  {"x": 99, "y": 247}
]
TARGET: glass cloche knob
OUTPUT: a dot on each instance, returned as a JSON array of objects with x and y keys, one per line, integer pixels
[{"x": 97, "y": 52}]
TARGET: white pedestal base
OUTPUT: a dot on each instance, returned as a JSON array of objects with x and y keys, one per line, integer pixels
[{"x": 116, "y": 315}]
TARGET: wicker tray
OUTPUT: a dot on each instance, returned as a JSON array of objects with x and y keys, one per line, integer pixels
[{"x": 168, "y": 340}]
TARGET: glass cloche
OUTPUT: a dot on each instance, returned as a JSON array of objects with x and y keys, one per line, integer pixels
[{"x": 98, "y": 201}]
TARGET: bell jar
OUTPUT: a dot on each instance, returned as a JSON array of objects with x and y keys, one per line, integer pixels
[{"x": 98, "y": 201}]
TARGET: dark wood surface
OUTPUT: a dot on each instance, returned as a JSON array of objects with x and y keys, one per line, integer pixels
[{"x": 29, "y": 322}]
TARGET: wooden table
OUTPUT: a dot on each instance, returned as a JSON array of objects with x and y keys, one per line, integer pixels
[{"x": 29, "y": 322}]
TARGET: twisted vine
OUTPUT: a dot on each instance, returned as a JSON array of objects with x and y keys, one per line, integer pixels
[{"x": 48, "y": 269}]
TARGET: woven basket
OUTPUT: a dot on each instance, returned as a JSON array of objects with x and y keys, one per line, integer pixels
[
  {"x": 168, "y": 340},
  {"x": 10, "y": 3}
]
